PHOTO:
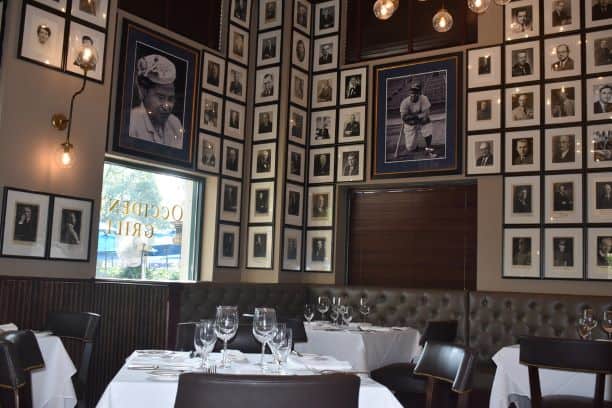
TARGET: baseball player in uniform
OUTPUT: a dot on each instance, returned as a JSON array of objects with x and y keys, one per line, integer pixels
[{"x": 414, "y": 111}]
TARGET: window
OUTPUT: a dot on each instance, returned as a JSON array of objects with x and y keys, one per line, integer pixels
[{"x": 149, "y": 225}]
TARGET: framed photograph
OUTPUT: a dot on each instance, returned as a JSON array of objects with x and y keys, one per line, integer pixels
[
  {"x": 325, "y": 54},
  {"x": 563, "y": 202},
  {"x": 599, "y": 98},
  {"x": 59, "y": 5},
  {"x": 598, "y": 13},
  {"x": 599, "y": 146},
  {"x": 523, "y": 106},
  {"x": 522, "y": 19},
  {"x": 301, "y": 15},
  {"x": 262, "y": 202},
  {"x": 25, "y": 220},
  {"x": 563, "y": 102},
  {"x": 562, "y": 56},
  {"x": 599, "y": 251},
  {"x": 323, "y": 127},
  {"x": 563, "y": 147},
  {"x": 79, "y": 37},
  {"x": 561, "y": 16},
  {"x": 300, "y": 54},
  {"x": 92, "y": 11},
  {"x": 297, "y": 125},
  {"x": 232, "y": 158},
  {"x": 351, "y": 127},
  {"x": 296, "y": 163},
  {"x": 238, "y": 45},
  {"x": 70, "y": 229},
  {"x": 484, "y": 154},
  {"x": 353, "y": 86},
  {"x": 599, "y": 197},
  {"x": 231, "y": 196},
  {"x": 299, "y": 88},
  {"x": 240, "y": 12},
  {"x": 270, "y": 14},
  {"x": 599, "y": 51},
  {"x": 417, "y": 124},
  {"x": 523, "y": 151},
  {"x": 267, "y": 85},
  {"x": 213, "y": 73},
  {"x": 324, "y": 88},
  {"x": 234, "y": 120},
  {"x": 522, "y": 200},
  {"x": 265, "y": 122},
  {"x": 327, "y": 17},
  {"x": 209, "y": 149},
  {"x": 319, "y": 250},
  {"x": 259, "y": 254},
  {"x": 210, "y": 112},
  {"x": 236, "y": 82},
  {"x": 42, "y": 37},
  {"x": 351, "y": 163},
  {"x": 322, "y": 165},
  {"x": 321, "y": 206},
  {"x": 269, "y": 47},
  {"x": 521, "y": 253},
  {"x": 523, "y": 62},
  {"x": 484, "y": 67},
  {"x": 292, "y": 249},
  {"x": 563, "y": 253},
  {"x": 156, "y": 64},
  {"x": 294, "y": 198},
  {"x": 484, "y": 110},
  {"x": 228, "y": 246},
  {"x": 263, "y": 165}
]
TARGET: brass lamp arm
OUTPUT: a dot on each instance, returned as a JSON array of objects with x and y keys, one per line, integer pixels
[{"x": 59, "y": 121}]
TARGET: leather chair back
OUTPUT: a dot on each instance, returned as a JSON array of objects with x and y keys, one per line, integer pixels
[
  {"x": 444, "y": 331},
  {"x": 256, "y": 391},
  {"x": 184, "y": 336},
  {"x": 29, "y": 358},
  {"x": 447, "y": 362},
  {"x": 12, "y": 376},
  {"x": 243, "y": 341},
  {"x": 297, "y": 329}
]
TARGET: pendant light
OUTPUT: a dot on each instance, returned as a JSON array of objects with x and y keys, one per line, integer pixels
[
  {"x": 384, "y": 9},
  {"x": 442, "y": 20},
  {"x": 479, "y": 6}
]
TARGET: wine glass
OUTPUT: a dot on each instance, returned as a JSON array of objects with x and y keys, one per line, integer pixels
[
  {"x": 308, "y": 312},
  {"x": 226, "y": 326},
  {"x": 264, "y": 325},
  {"x": 281, "y": 343},
  {"x": 606, "y": 323},
  {"x": 206, "y": 338},
  {"x": 334, "y": 314},
  {"x": 586, "y": 324},
  {"x": 347, "y": 314},
  {"x": 364, "y": 308},
  {"x": 322, "y": 305}
]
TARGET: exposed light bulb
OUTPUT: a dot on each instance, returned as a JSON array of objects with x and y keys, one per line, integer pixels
[
  {"x": 65, "y": 155},
  {"x": 384, "y": 9},
  {"x": 479, "y": 6},
  {"x": 442, "y": 21}
]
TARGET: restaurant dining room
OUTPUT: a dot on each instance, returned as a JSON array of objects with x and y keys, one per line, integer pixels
[{"x": 305, "y": 203}]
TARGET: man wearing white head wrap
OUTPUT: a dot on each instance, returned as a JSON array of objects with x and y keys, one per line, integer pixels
[{"x": 153, "y": 119}]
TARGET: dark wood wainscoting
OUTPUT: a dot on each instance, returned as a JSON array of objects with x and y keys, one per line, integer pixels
[{"x": 422, "y": 236}]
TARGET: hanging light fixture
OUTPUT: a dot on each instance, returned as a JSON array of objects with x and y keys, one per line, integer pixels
[
  {"x": 479, "y": 6},
  {"x": 442, "y": 20},
  {"x": 384, "y": 9}
]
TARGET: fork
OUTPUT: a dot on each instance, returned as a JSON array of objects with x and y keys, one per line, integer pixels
[{"x": 211, "y": 369}]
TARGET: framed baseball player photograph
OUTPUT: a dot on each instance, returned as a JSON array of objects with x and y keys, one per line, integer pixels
[{"x": 417, "y": 125}]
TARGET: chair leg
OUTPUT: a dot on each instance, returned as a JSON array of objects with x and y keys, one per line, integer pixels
[{"x": 463, "y": 400}]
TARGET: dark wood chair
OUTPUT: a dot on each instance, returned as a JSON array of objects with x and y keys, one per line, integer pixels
[
  {"x": 446, "y": 364},
  {"x": 12, "y": 376},
  {"x": 569, "y": 355}
]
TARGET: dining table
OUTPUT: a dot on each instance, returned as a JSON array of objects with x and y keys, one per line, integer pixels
[{"x": 150, "y": 378}]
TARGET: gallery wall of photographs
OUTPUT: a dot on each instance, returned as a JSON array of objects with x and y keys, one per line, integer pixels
[
  {"x": 539, "y": 113},
  {"x": 53, "y": 33}
]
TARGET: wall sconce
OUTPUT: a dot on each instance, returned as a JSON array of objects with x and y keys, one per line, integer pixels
[{"x": 86, "y": 60}]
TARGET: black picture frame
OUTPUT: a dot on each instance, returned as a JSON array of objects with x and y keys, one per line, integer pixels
[{"x": 70, "y": 229}]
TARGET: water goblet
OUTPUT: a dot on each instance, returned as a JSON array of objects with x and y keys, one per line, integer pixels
[
  {"x": 205, "y": 332},
  {"x": 334, "y": 314},
  {"x": 308, "y": 312},
  {"x": 606, "y": 323},
  {"x": 264, "y": 325},
  {"x": 226, "y": 326},
  {"x": 364, "y": 308},
  {"x": 586, "y": 324},
  {"x": 347, "y": 314},
  {"x": 281, "y": 343},
  {"x": 322, "y": 305}
]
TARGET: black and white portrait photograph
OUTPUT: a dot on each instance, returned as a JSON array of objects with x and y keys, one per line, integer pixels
[
  {"x": 604, "y": 195},
  {"x": 296, "y": 163},
  {"x": 92, "y": 11},
  {"x": 599, "y": 140},
  {"x": 320, "y": 206},
  {"x": 297, "y": 125},
  {"x": 599, "y": 98},
  {"x": 563, "y": 198},
  {"x": 484, "y": 154},
  {"x": 350, "y": 163},
  {"x": 231, "y": 197},
  {"x": 232, "y": 158},
  {"x": 259, "y": 253},
  {"x": 599, "y": 51},
  {"x": 70, "y": 228},
  {"x": 563, "y": 102},
  {"x": 484, "y": 110},
  {"x": 301, "y": 15},
  {"x": 563, "y": 147},
  {"x": 351, "y": 124},
  {"x": 522, "y": 19},
  {"x": 262, "y": 202},
  {"x": 322, "y": 164},
  {"x": 228, "y": 246},
  {"x": 265, "y": 122},
  {"x": 324, "y": 90},
  {"x": 561, "y": 16},
  {"x": 599, "y": 197},
  {"x": 523, "y": 106},
  {"x": 598, "y": 13},
  {"x": 81, "y": 37},
  {"x": 240, "y": 12},
  {"x": 484, "y": 67},
  {"x": 522, "y": 151},
  {"x": 266, "y": 85},
  {"x": 59, "y": 5},
  {"x": 234, "y": 120},
  {"x": 327, "y": 17},
  {"x": 521, "y": 253},
  {"x": 323, "y": 127},
  {"x": 213, "y": 73},
  {"x": 292, "y": 249},
  {"x": 522, "y": 200},
  {"x": 299, "y": 88},
  {"x": 270, "y": 14},
  {"x": 210, "y": 112},
  {"x": 263, "y": 165},
  {"x": 300, "y": 51},
  {"x": 563, "y": 253},
  {"x": 236, "y": 87},
  {"x": 209, "y": 153},
  {"x": 562, "y": 57},
  {"x": 294, "y": 198},
  {"x": 319, "y": 250},
  {"x": 268, "y": 47},
  {"x": 353, "y": 86},
  {"x": 238, "y": 45},
  {"x": 522, "y": 62},
  {"x": 325, "y": 53},
  {"x": 599, "y": 253},
  {"x": 42, "y": 38}
]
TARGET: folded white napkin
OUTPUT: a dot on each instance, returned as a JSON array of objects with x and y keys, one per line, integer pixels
[
  {"x": 8, "y": 327},
  {"x": 317, "y": 363},
  {"x": 378, "y": 328}
]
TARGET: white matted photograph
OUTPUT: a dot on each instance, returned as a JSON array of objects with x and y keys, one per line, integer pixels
[
  {"x": 267, "y": 85},
  {"x": 563, "y": 148},
  {"x": 209, "y": 153},
  {"x": 323, "y": 127},
  {"x": 269, "y": 48},
  {"x": 563, "y": 102},
  {"x": 599, "y": 250},
  {"x": 484, "y": 110},
  {"x": 292, "y": 249},
  {"x": 42, "y": 38},
  {"x": 563, "y": 199},
  {"x": 325, "y": 53},
  {"x": 523, "y": 62},
  {"x": 523, "y": 106},
  {"x": 262, "y": 202},
  {"x": 521, "y": 253},
  {"x": 597, "y": 13},
  {"x": 296, "y": 163},
  {"x": 301, "y": 15},
  {"x": 259, "y": 251},
  {"x": 599, "y": 146},
  {"x": 563, "y": 253},
  {"x": 327, "y": 17},
  {"x": 322, "y": 162},
  {"x": 561, "y": 16},
  {"x": 562, "y": 56},
  {"x": 599, "y": 197},
  {"x": 263, "y": 164},
  {"x": 484, "y": 67},
  {"x": 353, "y": 86},
  {"x": 265, "y": 122},
  {"x": 299, "y": 88},
  {"x": 599, "y": 98},
  {"x": 484, "y": 154},
  {"x": 231, "y": 197},
  {"x": 351, "y": 124},
  {"x": 351, "y": 163},
  {"x": 92, "y": 11},
  {"x": 234, "y": 120},
  {"x": 236, "y": 82},
  {"x": 80, "y": 37},
  {"x": 298, "y": 124},
  {"x": 320, "y": 206},
  {"x": 240, "y": 12},
  {"x": 300, "y": 51},
  {"x": 324, "y": 89},
  {"x": 238, "y": 45},
  {"x": 522, "y": 151},
  {"x": 59, "y": 5},
  {"x": 210, "y": 112},
  {"x": 228, "y": 246},
  {"x": 522, "y": 19},
  {"x": 232, "y": 158},
  {"x": 294, "y": 207},
  {"x": 599, "y": 51},
  {"x": 319, "y": 250},
  {"x": 522, "y": 200},
  {"x": 70, "y": 228},
  {"x": 270, "y": 14},
  {"x": 213, "y": 73}
]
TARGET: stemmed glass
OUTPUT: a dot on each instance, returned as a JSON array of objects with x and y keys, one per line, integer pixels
[
  {"x": 322, "y": 305},
  {"x": 364, "y": 308},
  {"x": 336, "y": 308},
  {"x": 347, "y": 314},
  {"x": 606, "y": 323},
  {"x": 308, "y": 312},
  {"x": 264, "y": 325},
  {"x": 281, "y": 343},
  {"x": 586, "y": 324},
  {"x": 204, "y": 339},
  {"x": 226, "y": 326}
]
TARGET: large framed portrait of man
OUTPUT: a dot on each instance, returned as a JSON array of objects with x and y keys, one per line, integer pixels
[
  {"x": 299, "y": 88},
  {"x": 561, "y": 16},
  {"x": 599, "y": 138},
  {"x": 563, "y": 253},
  {"x": 267, "y": 85},
  {"x": 522, "y": 19},
  {"x": 268, "y": 48},
  {"x": 322, "y": 162},
  {"x": 599, "y": 250},
  {"x": 484, "y": 110},
  {"x": 79, "y": 37},
  {"x": 294, "y": 204},
  {"x": 301, "y": 15},
  {"x": 300, "y": 50},
  {"x": 42, "y": 37},
  {"x": 262, "y": 202},
  {"x": 209, "y": 153},
  {"x": 599, "y": 51},
  {"x": 260, "y": 247},
  {"x": 562, "y": 148},
  {"x": 417, "y": 124},
  {"x": 484, "y": 154},
  {"x": 522, "y": 62},
  {"x": 232, "y": 158},
  {"x": 599, "y": 98},
  {"x": 238, "y": 45},
  {"x": 263, "y": 165},
  {"x": 292, "y": 249},
  {"x": 484, "y": 67},
  {"x": 156, "y": 96},
  {"x": 521, "y": 253},
  {"x": 325, "y": 53},
  {"x": 319, "y": 249},
  {"x": 320, "y": 206},
  {"x": 563, "y": 199},
  {"x": 351, "y": 124},
  {"x": 231, "y": 198},
  {"x": 353, "y": 86},
  {"x": 211, "y": 112},
  {"x": 92, "y": 11},
  {"x": 213, "y": 73},
  {"x": 234, "y": 120},
  {"x": 265, "y": 120},
  {"x": 70, "y": 228},
  {"x": 270, "y": 14},
  {"x": 522, "y": 200},
  {"x": 351, "y": 163},
  {"x": 562, "y": 57},
  {"x": 240, "y": 12},
  {"x": 563, "y": 102},
  {"x": 236, "y": 86},
  {"x": 298, "y": 124},
  {"x": 324, "y": 88},
  {"x": 327, "y": 17},
  {"x": 599, "y": 197},
  {"x": 323, "y": 127},
  {"x": 296, "y": 163},
  {"x": 522, "y": 151},
  {"x": 228, "y": 246},
  {"x": 523, "y": 106},
  {"x": 597, "y": 13}
]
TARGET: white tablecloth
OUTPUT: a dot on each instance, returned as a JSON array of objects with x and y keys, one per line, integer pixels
[
  {"x": 52, "y": 386},
  {"x": 511, "y": 381},
  {"x": 365, "y": 350},
  {"x": 135, "y": 388}
]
